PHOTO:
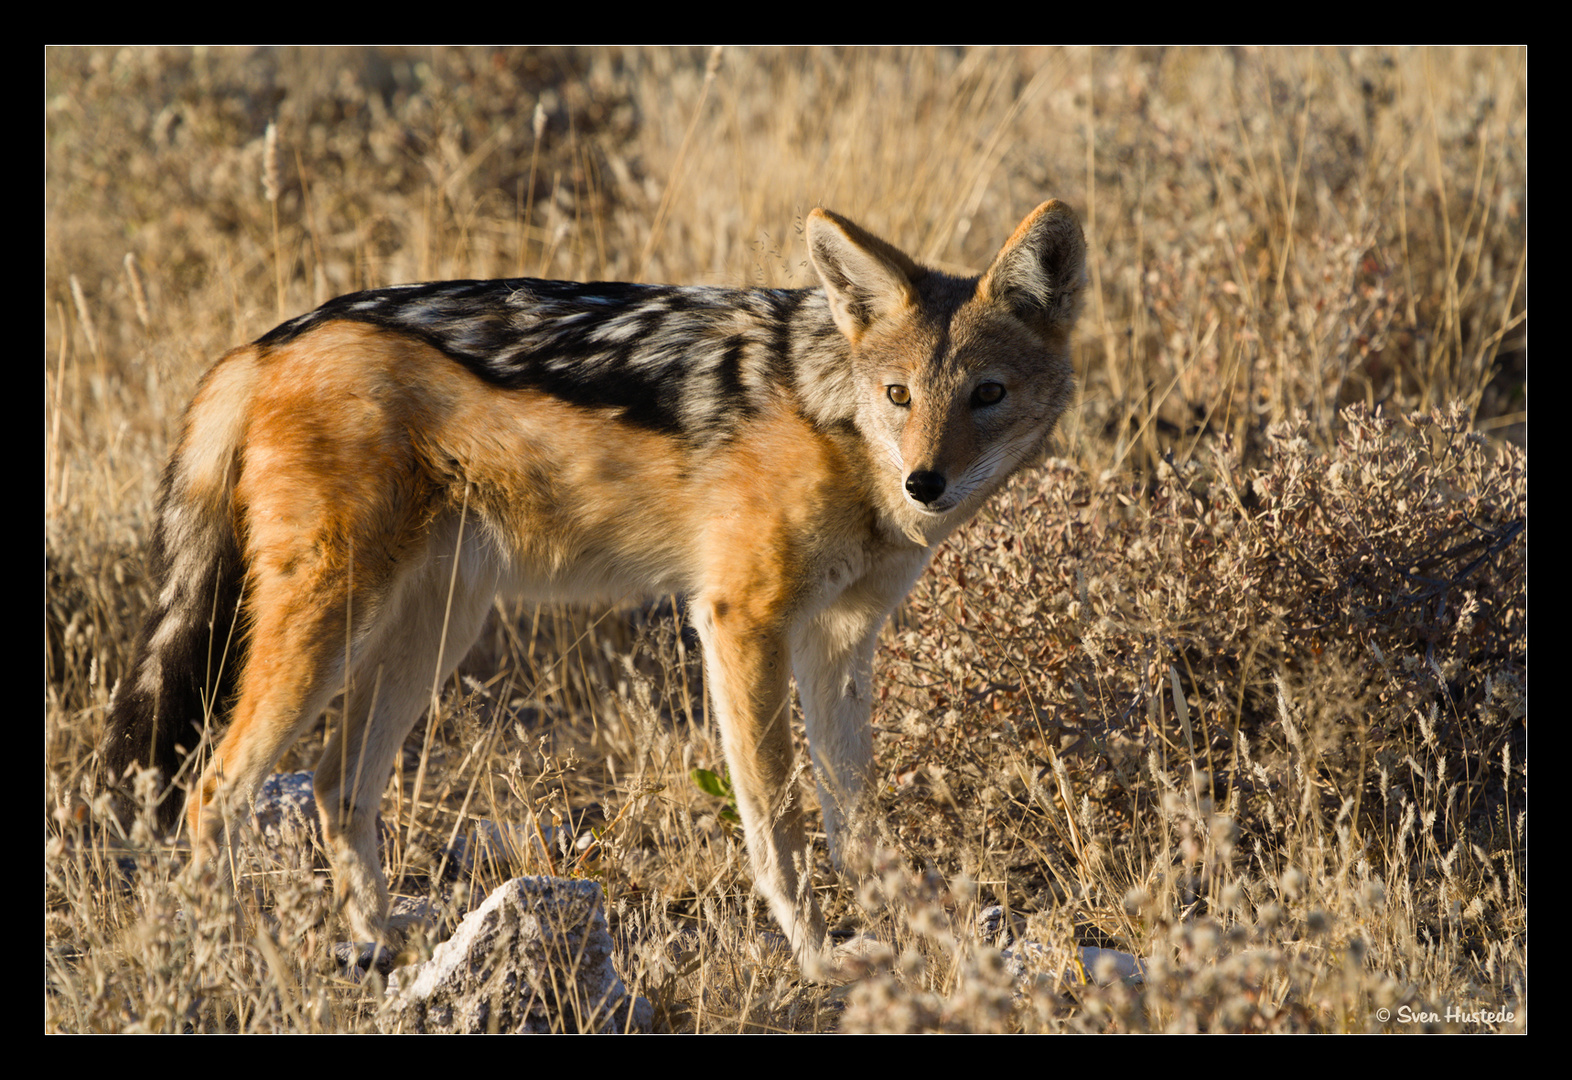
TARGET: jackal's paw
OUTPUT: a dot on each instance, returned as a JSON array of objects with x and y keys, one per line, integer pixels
[
  {"x": 357, "y": 959},
  {"x": 406, "y": 936},
  {"x": 849, "y": 961}
]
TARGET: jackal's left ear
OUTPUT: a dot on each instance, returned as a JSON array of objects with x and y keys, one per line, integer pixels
[
  {"x": 1041, "y": 270},
  {"x": 866, "y": 278}
]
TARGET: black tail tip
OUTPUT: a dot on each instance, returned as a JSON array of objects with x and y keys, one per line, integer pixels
[{"x": 139, "y": 792}]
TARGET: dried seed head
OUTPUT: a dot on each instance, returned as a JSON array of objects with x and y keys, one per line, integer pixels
[{"x": 270, "y": 184}]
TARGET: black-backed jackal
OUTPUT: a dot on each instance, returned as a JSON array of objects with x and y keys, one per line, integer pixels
[{"x": 361, "y": 481}]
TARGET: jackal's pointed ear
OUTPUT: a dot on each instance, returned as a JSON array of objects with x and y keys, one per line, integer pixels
[
  {"x": 1041, "y": 270},
  {"x": 866, "y": 278}
]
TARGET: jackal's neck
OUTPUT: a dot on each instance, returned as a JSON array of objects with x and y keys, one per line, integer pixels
[{"x": 821, "y": 363}]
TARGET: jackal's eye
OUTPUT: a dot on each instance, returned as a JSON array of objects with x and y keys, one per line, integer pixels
[
  {"x": 899, "y": 395},
  {"x": 988, "y": 393}
]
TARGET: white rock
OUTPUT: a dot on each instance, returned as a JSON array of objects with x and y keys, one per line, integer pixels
[{"x": 535, "y": 957}]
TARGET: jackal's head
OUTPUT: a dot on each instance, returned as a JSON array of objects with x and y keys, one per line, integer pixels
[{"x": 958, "y": 380}]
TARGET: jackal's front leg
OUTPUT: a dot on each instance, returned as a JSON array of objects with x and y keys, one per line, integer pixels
[
  {"x": 832, "y": 656},
  {"x": 749, "y": 679}
]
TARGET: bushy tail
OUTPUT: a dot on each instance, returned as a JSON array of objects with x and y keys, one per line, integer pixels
[{"x": 189, "y": 652}]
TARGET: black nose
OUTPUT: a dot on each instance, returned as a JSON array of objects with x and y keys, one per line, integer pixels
[{"x": 925, "y": 486}]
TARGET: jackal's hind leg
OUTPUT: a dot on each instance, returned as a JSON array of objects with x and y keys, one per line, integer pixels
[
  {"x": 403, "y": 658},
  {"x": 291, "y": 673}
]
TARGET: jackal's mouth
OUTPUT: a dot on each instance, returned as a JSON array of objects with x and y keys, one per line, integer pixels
[{"x": 937, "y": 509}]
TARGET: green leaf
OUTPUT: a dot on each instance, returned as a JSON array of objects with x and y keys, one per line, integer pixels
[{"x": 712, "y": 784}]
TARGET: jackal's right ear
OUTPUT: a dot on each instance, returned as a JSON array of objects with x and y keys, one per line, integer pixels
[
  {"x": 1041, "y": 270},
  {"x": 866, "y": 278}
]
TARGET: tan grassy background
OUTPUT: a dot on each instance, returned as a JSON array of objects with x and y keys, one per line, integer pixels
[{"x": 1236, "y": 683}]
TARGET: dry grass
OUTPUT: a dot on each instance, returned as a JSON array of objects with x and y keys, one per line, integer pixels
[{"x": 1237, "y": 682}]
